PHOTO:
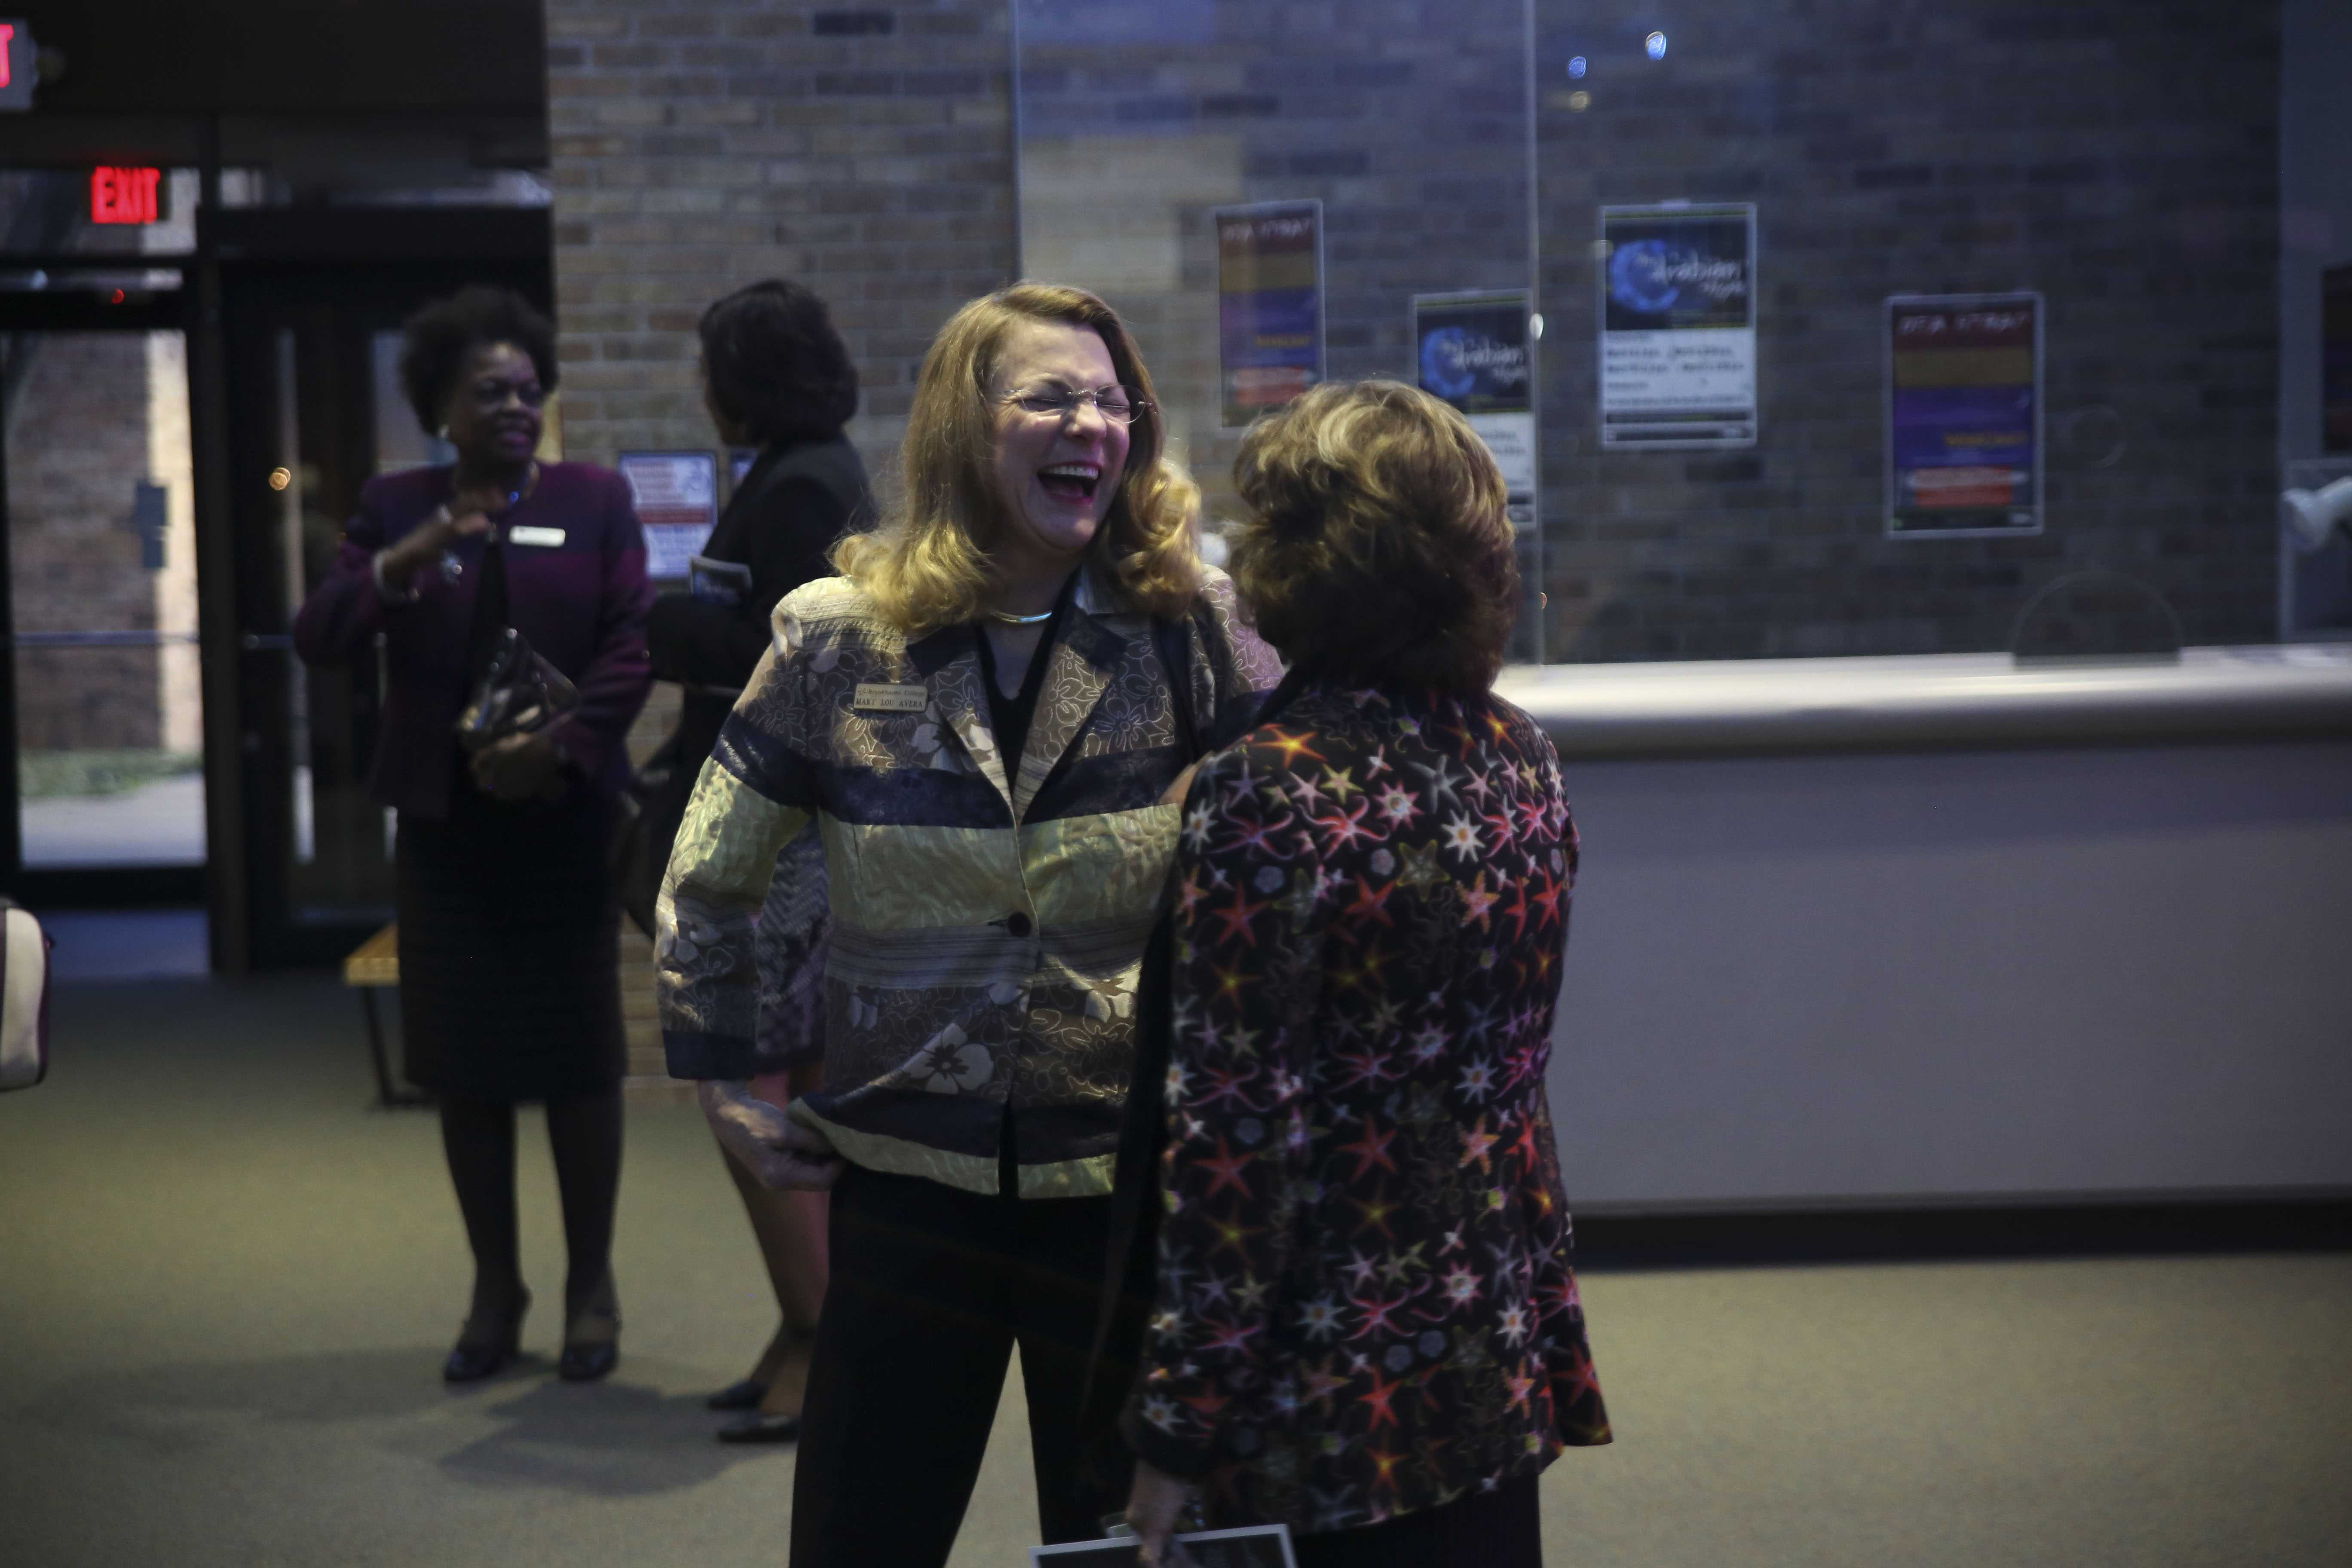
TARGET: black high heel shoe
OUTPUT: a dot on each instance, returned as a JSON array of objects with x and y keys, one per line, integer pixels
[
  {"x": 487, "y": 1342},
  {"x": 592, "y": 1336}
]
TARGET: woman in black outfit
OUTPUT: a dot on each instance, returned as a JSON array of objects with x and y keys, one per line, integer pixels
[
  {"x": 509, "y": 971},
  {"x": 775, "y": 375}
]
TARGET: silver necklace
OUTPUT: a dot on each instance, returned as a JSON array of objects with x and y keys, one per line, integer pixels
[{"x": 1040, "y": 618}]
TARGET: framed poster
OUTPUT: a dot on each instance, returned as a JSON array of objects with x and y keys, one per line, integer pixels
[
  {"x": 1475, "y": 351},
  {"x": 1964, "y": 446},
  {"x": 677, "y": 495},
  {"x": 2336, "y": 360},
  {"x": 1677, "y": 326},
  {"x": 1269, "y": 305}
]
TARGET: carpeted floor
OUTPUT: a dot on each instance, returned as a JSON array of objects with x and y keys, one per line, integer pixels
[{"x": 225, "y": 1283}]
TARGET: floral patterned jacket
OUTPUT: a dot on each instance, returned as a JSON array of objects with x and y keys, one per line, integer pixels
[
  {"x": 986, "y": 920},
  {"x": 1366, "y": 1305}
]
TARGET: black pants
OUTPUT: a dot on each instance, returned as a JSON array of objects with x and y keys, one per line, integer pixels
[
  {"x": 1501, "y": 1529},
  {"x": 931, "y": 1289}
]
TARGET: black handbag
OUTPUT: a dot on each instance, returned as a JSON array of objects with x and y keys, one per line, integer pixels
[{"x": 516, "y": 692}]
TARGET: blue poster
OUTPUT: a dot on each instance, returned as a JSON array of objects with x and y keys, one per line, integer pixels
[
  {"x": 1963, "y": 415},
  {"x": 1269, "y": 305}
]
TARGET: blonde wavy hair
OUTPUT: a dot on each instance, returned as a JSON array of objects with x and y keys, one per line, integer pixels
[{"x": 928, "y": 567}]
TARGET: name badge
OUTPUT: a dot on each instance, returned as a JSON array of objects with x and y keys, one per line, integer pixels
[
  {"x": 545, "y": 538},
  {"x": 875, "y": 697}
]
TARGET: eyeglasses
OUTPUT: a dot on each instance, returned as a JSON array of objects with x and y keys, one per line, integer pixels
[{"x": 1115, "y": 403}]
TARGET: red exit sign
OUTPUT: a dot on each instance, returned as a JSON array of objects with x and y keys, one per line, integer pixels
[{"x": 126, "y": 196}]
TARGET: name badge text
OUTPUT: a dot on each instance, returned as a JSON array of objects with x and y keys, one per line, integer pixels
[{"x": 875, "y": 697}]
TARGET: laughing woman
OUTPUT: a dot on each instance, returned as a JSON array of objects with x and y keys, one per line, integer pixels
[{"x": 983, "y": 716}]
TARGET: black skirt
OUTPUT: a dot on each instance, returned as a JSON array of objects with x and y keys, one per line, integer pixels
[{"x": 509, "y": 970}]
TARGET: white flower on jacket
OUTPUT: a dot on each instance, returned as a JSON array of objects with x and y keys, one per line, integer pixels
[{"x": 951, "y": 1064}]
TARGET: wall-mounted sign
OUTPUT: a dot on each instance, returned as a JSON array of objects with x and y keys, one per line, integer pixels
[
  {"x": 1677, "y": 326},
  {"x": 1476, "y": 351},
  {"x": 677, "y": 495},
  {"x": 1269, "y": 305},
  {"x": 19, "y": 63},
  {"x": 2336, "y": 360},
  {"x": 126, "y": 196},
  {"x": 1963, "y": 414}
]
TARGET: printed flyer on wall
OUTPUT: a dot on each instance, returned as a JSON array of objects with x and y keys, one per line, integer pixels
[
  {"x": 1475, "y": 351},
  {"x": 1963, "y": 414},
  {"x": 677, "y": 495},
  {"x": 1269, "y": 305},
  {"x": 1677, "y": 326}
]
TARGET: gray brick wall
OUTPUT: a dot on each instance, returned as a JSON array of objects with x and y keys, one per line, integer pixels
[
  {"x": 2120, "y": 158},
  {"x": 700, "y": 144}
]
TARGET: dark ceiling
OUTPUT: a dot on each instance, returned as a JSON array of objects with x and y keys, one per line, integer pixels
[{"x": 271, "y": 56}]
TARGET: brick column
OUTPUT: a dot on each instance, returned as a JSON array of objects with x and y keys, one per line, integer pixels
[{"x": 707, "y": 144}]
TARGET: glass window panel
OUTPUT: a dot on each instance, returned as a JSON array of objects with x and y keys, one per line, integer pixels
[
  {"x": 1140, "y": 120},
  {"x": 108, "y": 707}
]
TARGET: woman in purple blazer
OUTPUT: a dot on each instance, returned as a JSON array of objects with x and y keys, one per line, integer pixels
[{"x": 509, "y": 982}]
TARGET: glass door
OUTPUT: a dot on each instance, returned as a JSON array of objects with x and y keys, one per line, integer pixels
[
  {"x": 107, "y": 712},
  {"x": 315, "y": 411}
]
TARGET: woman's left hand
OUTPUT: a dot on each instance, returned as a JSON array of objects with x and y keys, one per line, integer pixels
[
  {"x": 519, "y": 768},
  {"x": 1154, "y": 1502}
]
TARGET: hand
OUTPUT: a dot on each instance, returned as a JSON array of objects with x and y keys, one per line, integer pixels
[
  {"x": 519, "y": 768},
  {"x": 1154, "y": 1502},
  {"x": 782, "y": 1153},
  {"x": 466, "y": 514}
]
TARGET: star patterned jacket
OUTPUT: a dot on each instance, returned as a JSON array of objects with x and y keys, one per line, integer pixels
[
  {"x": 987, "y": 919},
  {"x": 1366, "y": 1304}
]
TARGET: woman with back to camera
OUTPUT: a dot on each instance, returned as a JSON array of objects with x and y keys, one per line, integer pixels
[
  {"x": 983, "y": 716},
  {"x": 775, "y": 375},
  {"x": 509, "y": 979},
  {"x": 1366, "y": 1322}
]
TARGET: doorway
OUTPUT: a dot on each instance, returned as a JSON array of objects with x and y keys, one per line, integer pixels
[{"x": 311, "y": 311}]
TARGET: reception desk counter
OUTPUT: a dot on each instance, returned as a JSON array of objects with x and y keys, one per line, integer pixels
[{"x": 1945, "y": 930}]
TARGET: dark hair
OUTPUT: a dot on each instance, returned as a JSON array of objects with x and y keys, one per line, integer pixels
[
  {"x": 776, "y": 367},
  {"x": 1377, "y": 548},
  {"x": 441, "y": 334}
]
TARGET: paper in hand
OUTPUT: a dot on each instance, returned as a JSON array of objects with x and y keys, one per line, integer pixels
[{"x": 1256, "y": 1546}]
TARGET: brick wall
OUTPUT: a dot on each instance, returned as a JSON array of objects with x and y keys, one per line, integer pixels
[
  {"x": 77, "y": 445},
  {"x": 704, "y": 145},
  {"x": 2120, "y": 159},
  {"x": 1406, "y": 121}
]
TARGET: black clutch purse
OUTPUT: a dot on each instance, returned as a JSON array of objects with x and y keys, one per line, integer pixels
[{"x": 518, "y": 692}]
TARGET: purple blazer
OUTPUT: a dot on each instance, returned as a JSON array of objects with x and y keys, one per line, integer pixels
[{"x": 581, "y": 604}]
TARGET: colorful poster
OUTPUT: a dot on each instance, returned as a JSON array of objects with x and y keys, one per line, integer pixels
[
  {"x": 677, "y": 495},
  {"x": 1963, "y": 414},
  {"x": 1475, "y": 351},
  {"x": 2336, "y": 360},
  {"x": 1269, "y": 305},
  {"x": 1677, "y": 326}
]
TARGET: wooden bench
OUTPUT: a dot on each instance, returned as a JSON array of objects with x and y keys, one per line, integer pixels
[{"x": 371, "y": 966}]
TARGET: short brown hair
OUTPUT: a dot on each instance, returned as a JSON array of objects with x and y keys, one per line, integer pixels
[
  {"x": 1377, "y": 547},
  {"x": 927, "y": 566}
]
